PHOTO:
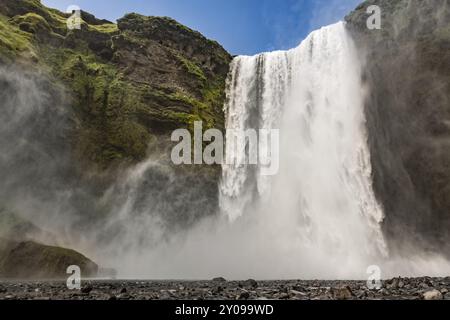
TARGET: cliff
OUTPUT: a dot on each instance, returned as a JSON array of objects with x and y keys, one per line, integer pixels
[
  {"x": 408, "y": 114},
  {"x": 130, "y": 82},
  {"x": 80, "y": 107}
]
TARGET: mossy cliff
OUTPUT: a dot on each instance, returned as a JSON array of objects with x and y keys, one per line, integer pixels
[
  {"x": 29, "y": 259},
  {"x": 122, "y": 89},
  {"x": 131, "y": 82},
  {"x": 408, "y": 115}
]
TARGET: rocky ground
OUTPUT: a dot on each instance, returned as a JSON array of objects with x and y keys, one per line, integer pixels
[{"x": 220, "y": 289}]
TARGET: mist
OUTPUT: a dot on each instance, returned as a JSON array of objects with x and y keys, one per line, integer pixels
[{"x": 344, "y": 198}]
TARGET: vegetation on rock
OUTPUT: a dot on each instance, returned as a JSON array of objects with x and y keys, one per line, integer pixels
[
  {"x": 128, "y": 85},
  {"x": 130, "y": 82},
  {"x": 30, "y": 259}
]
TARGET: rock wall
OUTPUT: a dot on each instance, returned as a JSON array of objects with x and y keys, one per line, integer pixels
[
  {"x": 131, "y": 83},
  {"x": 408, "y": 114},
  {"x": 80, "y": 108}
]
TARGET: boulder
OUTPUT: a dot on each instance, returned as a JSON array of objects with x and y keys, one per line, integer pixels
[{"x": 432, "y": 295}]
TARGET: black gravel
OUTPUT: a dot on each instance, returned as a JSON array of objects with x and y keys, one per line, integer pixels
[{"x": 220, "y": 289}]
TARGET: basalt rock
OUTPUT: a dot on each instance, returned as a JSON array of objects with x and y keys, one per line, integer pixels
[{"x": 408, "y": 117}]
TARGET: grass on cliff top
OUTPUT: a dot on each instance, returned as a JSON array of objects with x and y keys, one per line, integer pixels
[{"x": 104, "y": 28}]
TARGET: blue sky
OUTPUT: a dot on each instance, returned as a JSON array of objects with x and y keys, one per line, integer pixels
[{"x": 241, "y": 26}]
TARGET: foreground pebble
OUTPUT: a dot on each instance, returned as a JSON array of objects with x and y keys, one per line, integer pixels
[{"x": 221, "y": 289}]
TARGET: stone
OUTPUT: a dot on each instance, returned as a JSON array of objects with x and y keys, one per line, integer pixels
[
  {"x": 245, "y": 295},
  {"x": 87, "y": 289},
  {"x": 297, "y": 294},
  {"x": 432, "y": 295},
  {"x": 342, "y": 293},
  {"x": 251, "y": 283}
]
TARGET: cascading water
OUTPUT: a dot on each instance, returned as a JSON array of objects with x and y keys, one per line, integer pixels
[
  {"x": 322, "y": 197},
  {"x": 317, "y": 218}
]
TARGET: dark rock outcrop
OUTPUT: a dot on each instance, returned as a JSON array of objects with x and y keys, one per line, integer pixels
[
  {"x": 408, "y": 114},
  {"x": 25, "y": 260}
]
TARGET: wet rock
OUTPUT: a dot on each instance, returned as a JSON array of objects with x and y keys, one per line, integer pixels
[
  {"x": 361, "y": 294},
  {"x": 297, "y": 294},
  {"x": 250, "y": 283},
  {"x": 343, "y": 293},
  {"x": 394, "y": 283},
  {"x": 284, "y": 296},
  {"x": 245, "y": 295},
  {"x": 209, "y": 290},
  {"x": 217, "y": 290},
  {"x": 432, "y": 295},
  {"x": 87, "y": 289}
]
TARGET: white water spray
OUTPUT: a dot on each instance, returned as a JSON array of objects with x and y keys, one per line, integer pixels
[
  {"x": 318, "y": 217},
  {"x": 322, "y": 199}
]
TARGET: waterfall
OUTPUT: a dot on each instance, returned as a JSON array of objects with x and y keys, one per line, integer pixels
[
  {"x": 322, "y": 197},
  {"x": 317, "y": 218}
]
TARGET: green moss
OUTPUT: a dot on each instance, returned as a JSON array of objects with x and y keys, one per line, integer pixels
[
  {"x": 104, "y": 28},
  {"x": 115, "y": 116},
  {"x": 13, "y": 41},
  {"x": 31, "y": 22},
  {"x": 107, "y": 106},
  {"x": 192, "y": 68},
  {"x": 181, "y": 117},
  {"x": 188, "y": 99}
]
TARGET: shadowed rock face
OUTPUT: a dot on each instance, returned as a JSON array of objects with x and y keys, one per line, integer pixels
[{"x": 408, "y": 114}]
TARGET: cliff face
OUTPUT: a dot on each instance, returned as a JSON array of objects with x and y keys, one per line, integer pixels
[
  {"x": 81, "y": 107},
  {"x": 130, "y": 83},
  {"x": 408, "y": 114},
  {"x": 125, "y": 87}
]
